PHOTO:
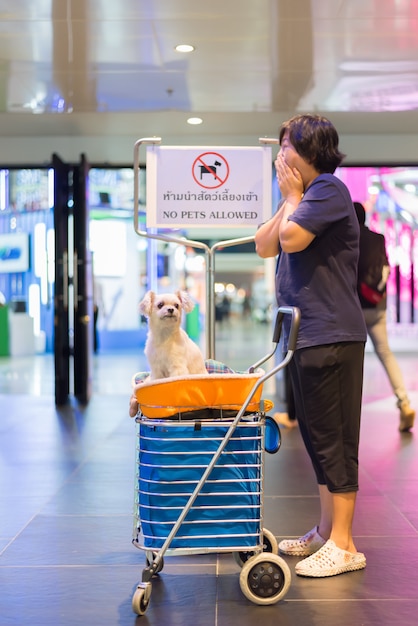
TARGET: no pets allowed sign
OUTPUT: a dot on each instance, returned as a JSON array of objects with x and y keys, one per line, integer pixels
[{"x": 206, "y": 186}]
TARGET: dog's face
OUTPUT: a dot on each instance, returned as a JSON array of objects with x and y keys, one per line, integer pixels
[{"x": 166, "y": 307}]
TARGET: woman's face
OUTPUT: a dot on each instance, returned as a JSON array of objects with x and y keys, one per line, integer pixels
[
  {"x": 289, "y": 154},
  {"x": 295, "y": 161}
]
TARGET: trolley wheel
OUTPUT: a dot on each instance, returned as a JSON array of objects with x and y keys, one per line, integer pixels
[
  {"x": 141, "y": 598},
  {"x": 270, "y": 542},
  {"x": 265, "y": 579},
  {"x": 269, "y": 545},
  {"x": 150, "y": 558}
]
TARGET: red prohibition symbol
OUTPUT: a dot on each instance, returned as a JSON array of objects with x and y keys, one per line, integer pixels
[{"x": 210, "y": 170}]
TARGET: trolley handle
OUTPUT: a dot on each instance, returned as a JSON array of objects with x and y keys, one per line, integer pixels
[
  {"x": 294, "y": 329},
  {"x": 294, "y": 325}
]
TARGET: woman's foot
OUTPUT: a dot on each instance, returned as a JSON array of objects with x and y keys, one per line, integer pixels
[
  {"x": 407, "y": 416},
  {"x": 330, "y": 560},
  {"x": 303, "y": 546}
]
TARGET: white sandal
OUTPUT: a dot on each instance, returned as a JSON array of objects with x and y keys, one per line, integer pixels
[
  {"x": 330, "y": 561},
  {"x": 304, "y": 546}
]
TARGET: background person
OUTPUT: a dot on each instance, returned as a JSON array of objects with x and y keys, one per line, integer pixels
[
  {"x": 373, "y": 273},
  {"x": 316, "y": 234}
]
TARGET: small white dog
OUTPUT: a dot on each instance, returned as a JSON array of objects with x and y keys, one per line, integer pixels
[{"x": 169, "y": 350}]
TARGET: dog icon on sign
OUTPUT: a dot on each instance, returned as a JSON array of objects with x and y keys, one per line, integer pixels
[{"x": 209, "y": 169}]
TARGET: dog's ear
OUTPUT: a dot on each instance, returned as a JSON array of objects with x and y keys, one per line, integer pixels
[
  {"x": 186, "y": 301},
  {"x": 145, "y": 306}
]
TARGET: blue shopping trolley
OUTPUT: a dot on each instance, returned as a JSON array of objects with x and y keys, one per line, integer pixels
[{"x": 199, "y": 479}]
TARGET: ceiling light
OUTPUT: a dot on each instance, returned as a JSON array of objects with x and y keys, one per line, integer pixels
[
  {"x": 194, "y": 121},
  {"x": 184, "y": 47}
]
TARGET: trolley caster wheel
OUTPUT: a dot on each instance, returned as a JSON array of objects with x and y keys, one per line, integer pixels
[
  {"x": 150, "y": 558},
  {"x": 141, "y": 598},
  {"x": 270, "y": 542},
  {"x": 269, "y": 545},
  {"x": 265, "y": 579}
]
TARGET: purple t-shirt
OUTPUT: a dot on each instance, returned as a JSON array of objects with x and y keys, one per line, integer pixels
[{"x": 322, "y": 279}]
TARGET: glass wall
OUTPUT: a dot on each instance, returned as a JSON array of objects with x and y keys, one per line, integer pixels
[
  {"x": 27, "y": 249},
  {"x": 117, "y": 256},
  {"x": 27, "y": 259},
  {"x": 120, "y": 256}
]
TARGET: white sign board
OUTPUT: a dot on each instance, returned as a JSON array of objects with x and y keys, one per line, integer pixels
[{"x": 206, "y": 186}]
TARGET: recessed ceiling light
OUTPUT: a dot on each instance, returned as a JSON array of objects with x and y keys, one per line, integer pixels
[
  {"x": 184, "y": 47},
  {"x": 194, "y": 121}
]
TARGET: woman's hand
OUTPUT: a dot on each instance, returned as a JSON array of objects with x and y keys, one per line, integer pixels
[
  {"x": 289, "y": 179},
  {"x": 292, "y": 237}
]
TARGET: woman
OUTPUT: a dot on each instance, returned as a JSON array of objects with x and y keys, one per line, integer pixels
[{"x": 316, "y": 234}]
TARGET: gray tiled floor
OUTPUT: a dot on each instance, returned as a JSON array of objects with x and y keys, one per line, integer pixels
[{"x": 67, "y": 481}]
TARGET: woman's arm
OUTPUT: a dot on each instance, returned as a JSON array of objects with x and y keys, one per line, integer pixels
[
  {"x": 267, "y": 237},
  {"x": 280, "y": 233},
  {"x": 294, "y": 238}
]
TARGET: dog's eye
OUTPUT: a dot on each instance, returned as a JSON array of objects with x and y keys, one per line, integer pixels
[
  {"x": 160, "y": 305},
  {"x": 177, "y": 305}
]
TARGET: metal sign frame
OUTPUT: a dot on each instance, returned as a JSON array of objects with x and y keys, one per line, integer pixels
[{"x": 209, "y": 251}]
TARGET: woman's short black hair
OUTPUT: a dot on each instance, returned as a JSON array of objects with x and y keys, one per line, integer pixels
[{"x": 315, "y": 139}]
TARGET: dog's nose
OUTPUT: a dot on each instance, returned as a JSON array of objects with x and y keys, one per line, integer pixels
[{"x": 171, "y": 310}]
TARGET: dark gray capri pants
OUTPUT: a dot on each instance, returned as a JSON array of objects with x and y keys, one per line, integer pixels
[{"x": 327, "y": 384}]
